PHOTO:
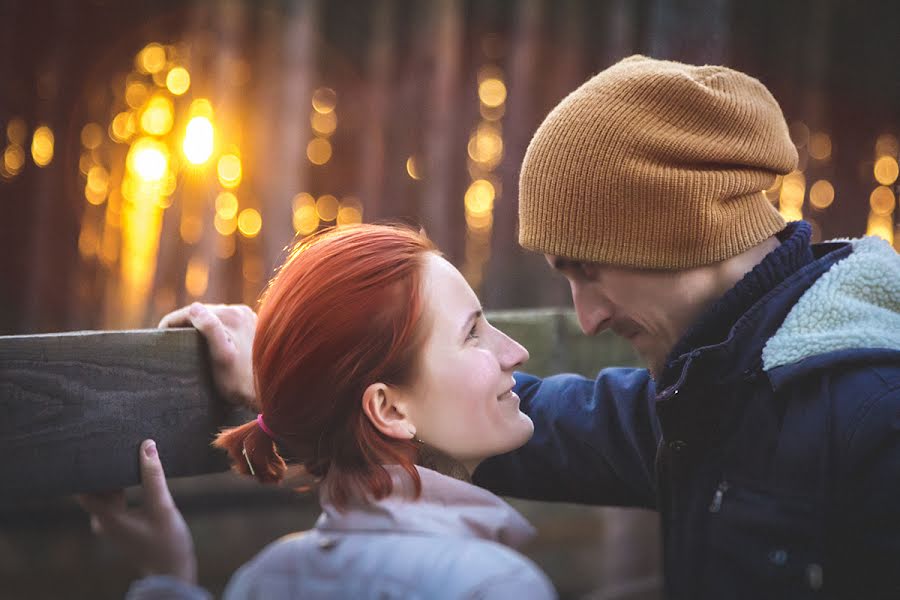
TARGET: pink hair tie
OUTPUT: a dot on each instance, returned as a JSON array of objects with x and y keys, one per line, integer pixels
[{"x": 262, "y": 425}]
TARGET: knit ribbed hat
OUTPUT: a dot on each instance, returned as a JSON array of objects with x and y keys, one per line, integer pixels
[{"x": 655, "y": 164}]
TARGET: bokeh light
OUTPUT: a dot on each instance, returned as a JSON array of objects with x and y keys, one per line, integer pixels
[
  {"x": 886, "y": 170},
  {"x": 226, "y": 205},
  {"x": 196, "y": 278},
  {"x": 42, "y": 146},
  {"x": 249, "y": 222},
  {"x": 412, "y": 168},
  {"x": 151, "y": 59},
  {"x": 323, "y": 123},
  {"x": 492, "y": 92},
  {"x": 324, "y": 100},
  {"x": 820, "y": 146},
  {"x": 16, "y": 131},
  {"x": 148, "y": 159},
  {"x": 318, "y": 151},
  {"x": 91, "y": 136},
  {"x": 327, "y": 207},
  {"x": 13, "y": 159},
  {"x": 229, "y": 170},
  {"x": 158, "y": 116},
  {"x": 178, "y": 81},
  {"x": 198, "y": 142},
  {"x": 882, "y": 200},
  {"x": 821, "y": 194}
]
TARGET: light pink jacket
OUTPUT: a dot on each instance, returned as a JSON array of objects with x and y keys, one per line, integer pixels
[{"x": 456, "y": 541}]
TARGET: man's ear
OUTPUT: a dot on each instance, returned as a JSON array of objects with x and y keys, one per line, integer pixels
[{"x": 385, "y": 408}]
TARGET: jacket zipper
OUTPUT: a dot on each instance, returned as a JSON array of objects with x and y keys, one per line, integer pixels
[{"x": 716, "y": 504}]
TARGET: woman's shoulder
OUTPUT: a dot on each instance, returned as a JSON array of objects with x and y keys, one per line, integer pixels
[{"x": 322, "y": 564}]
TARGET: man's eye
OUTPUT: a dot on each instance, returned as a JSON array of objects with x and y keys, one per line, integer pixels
[{"x": 473, "y": 333}]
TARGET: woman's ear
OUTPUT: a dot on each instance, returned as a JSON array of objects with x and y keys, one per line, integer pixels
[{"x": 386, "y": 409}]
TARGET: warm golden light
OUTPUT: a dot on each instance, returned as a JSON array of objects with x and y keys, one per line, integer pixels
[
  {"x": 886, "y": 170},
  {"x": 196, "y": 278},
  {"x": 225, "y": 225},
  {"x": 122, "y": 127},
  {"x": 350, "y": 212},
  {"x": 148, "y": 159},
  {"x": 16, "y": 132},
  {"x": 318, "y": 151},
  {"x": 135, "y": 94},
  {"x": 201, "y": 107},
  {"x": 882, "y": 226},
  {"x": 882, "y": 201},
  {"x": 492, "y": 92},
  {"x": 486, "y": 146},
  {"x": 249, "y": 222},
  {"x": 324, "y": 100},
  {"x": 820, "y": 146},
  {"x": 198, "y": 140},
  {"x": 98, "y": 180},
  {"x": 302, "y": 199},
  {"x": 821, "y": 194},
  {"x": 151, "y": 59},
  {"x": 323, "y": 123},
  {"x": 42, "y": 146},
  {"x": 479, "y": 199},
  {"x": 479, "y": 222},
  {"x": 412, "y": 168},
  {"x": 91, "y": 136},
  {"x": 793, "y": 188},
  {"x": 226, "y": 205},
  {"x": 327, "y": 207},
  {"x": 158, "y": 116},
  {"x": 229, "y": 170},
  {"x": 178, "y": 81},
  {"x": 13, "y": 159},
  {"x": 306, "y": 219}
]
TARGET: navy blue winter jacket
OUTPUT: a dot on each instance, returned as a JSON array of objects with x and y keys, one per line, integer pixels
[{"x": 770, "y": 444}]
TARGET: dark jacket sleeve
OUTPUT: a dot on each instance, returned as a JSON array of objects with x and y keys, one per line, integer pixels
[{"x": 594, "y": 442}]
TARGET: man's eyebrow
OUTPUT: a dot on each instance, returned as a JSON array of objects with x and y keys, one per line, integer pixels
[{"x": 561, "y": 264}]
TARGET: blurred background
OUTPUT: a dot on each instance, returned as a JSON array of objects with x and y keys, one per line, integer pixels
[
  {"x": 153, "y": 153},
  {"x": 157, "y": 152}
]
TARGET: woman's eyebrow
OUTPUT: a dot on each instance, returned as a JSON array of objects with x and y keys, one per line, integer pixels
[{"x": 472, "y": 317}]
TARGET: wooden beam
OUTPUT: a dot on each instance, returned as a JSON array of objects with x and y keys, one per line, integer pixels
[{"x": 74, "y": 408}]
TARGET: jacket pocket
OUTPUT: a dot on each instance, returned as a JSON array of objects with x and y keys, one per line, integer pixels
[{"x": 764, "y": 544}]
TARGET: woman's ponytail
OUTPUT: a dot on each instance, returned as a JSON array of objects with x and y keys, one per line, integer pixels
[{"x": 252, "y": 452}]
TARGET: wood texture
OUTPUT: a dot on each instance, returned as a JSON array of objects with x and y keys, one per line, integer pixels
[{"x": 74, "y": 408}]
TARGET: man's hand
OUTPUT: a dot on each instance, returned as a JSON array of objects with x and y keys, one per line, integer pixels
[
  {"x": 154, "y": 537},
  {"x": 229, "y": 331}
]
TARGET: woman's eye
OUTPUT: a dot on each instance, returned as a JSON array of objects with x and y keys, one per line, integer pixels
[{"x": 473, "y": 333}]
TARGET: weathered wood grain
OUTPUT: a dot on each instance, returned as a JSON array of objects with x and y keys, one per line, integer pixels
[{"x": 74, "y": 408}]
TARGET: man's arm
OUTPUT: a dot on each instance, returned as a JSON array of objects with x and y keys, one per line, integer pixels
[{"x": 594, "y": 441}]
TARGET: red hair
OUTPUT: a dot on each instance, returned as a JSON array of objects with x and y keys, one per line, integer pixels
[{"x": 343, "y": 312}]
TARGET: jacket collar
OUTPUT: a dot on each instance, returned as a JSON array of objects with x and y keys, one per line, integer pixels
[
  {"x": 736, "y": 357},
  {"x": 446, "y": 507}
]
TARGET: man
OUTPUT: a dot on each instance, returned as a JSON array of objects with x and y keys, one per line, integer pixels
[{"x": 766, "y": 430}]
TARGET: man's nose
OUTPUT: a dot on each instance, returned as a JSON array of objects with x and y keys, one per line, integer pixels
[{"x": 592, "y": 309}]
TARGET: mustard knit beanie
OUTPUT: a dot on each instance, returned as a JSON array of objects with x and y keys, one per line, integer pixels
[{"x": 655, "y": 164}]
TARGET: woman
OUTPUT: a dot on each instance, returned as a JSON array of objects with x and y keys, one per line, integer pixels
[{"x": 372, "y": 362}]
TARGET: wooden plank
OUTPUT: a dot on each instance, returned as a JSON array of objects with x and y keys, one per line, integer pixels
[{"x": 74, "y": 408}]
